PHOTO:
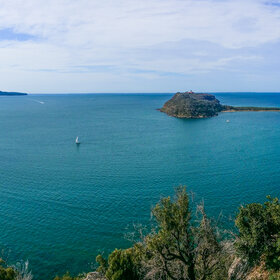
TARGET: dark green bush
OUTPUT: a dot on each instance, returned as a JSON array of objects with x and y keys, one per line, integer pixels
[
  {"x": 67, "y": 276},
  {"x": 259, "y": 232},
  {"x": 6, "y": 273},
  {"x": 121, "y": 265}
]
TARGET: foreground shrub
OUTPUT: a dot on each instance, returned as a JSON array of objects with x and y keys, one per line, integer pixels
[
  {"x": 67, "y": 276},
  {"x": 178, "y": 248},
  {"x": 183, "y": 247},
  {"x": 121, "y": 265},
  {"x": 6, "y": 273},
  {"x": 259, "y": 232}
]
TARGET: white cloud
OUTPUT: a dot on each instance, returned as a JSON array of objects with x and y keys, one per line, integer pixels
[{"x": 113, "y": 37}]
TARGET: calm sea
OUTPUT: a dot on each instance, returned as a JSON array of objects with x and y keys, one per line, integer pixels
[{"x": 61, "y": 205}]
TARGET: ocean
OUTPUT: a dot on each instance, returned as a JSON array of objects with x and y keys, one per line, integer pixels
[{"x": 62, "y": 204}]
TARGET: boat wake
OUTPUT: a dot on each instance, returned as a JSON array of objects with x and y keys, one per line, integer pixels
[{"x": 38, "y": 101}]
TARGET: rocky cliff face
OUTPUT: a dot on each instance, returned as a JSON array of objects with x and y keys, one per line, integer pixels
[{"x": 192, "y": 105}]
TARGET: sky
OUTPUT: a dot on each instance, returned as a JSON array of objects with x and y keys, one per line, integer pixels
[{"x": 93, "y": 46}]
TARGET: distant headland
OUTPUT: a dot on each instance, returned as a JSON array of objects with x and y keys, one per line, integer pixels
[
  {"x": 192, "y": 105},
  {"x": 7, "y": 93}
]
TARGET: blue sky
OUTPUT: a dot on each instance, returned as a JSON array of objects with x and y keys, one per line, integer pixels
[{"x": 65, "y": 46}]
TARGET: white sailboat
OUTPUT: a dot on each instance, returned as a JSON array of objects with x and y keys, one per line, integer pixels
[{"x": 77, "y": 140}]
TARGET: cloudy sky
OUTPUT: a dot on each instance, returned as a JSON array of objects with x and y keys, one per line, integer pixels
[{"x": 61, "y": 46}]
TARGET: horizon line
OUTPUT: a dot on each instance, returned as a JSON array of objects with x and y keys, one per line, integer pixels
[{"x": 85, "y": 93}]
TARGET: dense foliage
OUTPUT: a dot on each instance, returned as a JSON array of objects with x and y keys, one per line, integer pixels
[
  {"x": 259, "y": 228},
  {"x": 6, "y": 273},
  {"x": 67, "y": 276},
  {"x": 121, "y": 265},
  {"x": 192, "y": 105}
]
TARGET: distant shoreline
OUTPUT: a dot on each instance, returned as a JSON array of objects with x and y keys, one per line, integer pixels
[
  {"x": 146, "y": 93},
  {"x": 228, "y": 108},
  {"x": 248, "y": 110},
  {"x": 7, "y": 93}
]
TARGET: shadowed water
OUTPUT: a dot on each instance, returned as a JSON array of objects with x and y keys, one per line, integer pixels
[{"x": 61, "y": 205}]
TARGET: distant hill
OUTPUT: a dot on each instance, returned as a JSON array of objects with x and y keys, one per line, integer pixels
[
  {"x": 192, "y": 105},
  {"x": 6, "y": 93}
]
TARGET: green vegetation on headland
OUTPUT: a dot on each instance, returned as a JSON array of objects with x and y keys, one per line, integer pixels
[
  {"x": 188, "y": 245},
  {"x": 257, "y": 109},
  {"x": 7, "y": 93},
  {"x": 192, "y": 105}
]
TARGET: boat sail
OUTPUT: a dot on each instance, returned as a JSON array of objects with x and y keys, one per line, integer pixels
[{"x": 77, "y": 140}]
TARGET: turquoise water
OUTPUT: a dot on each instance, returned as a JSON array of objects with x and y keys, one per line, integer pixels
[{"x": 61, "y": 205}]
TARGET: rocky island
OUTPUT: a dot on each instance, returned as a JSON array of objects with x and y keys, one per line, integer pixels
[
  {"x": 192, "y": 105},
  {"x": 7, "y": 93}
]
